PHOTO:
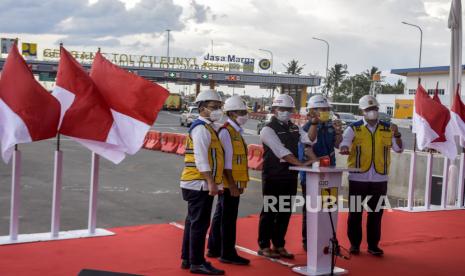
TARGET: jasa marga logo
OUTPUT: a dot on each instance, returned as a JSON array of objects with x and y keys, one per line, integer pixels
[{"x": 229, "y": 58}]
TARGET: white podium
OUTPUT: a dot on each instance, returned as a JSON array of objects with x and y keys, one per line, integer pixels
[{"x": 321, "y": 182}]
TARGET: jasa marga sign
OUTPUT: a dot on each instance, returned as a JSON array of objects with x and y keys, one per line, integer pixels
[{"x": 229, "y": 58}]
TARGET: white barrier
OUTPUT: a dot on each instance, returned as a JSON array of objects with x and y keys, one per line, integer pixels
[
  {"x": 54, "y": 233},
  {"x": 459, "y": 204}
]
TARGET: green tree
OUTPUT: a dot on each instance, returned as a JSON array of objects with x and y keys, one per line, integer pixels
[
  {"x": 336, "y": 75},
  {"x": 371, "y": 72},
  {"x": 293, "y": 67},
  {"x": 397, "y": 88}
]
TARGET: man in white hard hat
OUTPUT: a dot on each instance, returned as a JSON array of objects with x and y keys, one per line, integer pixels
[
  {"x": 328, "y": 134},
  {"x": 280, "y": 138},
  {"x": 222, "y": 237},
  {"x": 202, "y": 173},
  {"x": 368, "y": 143}
]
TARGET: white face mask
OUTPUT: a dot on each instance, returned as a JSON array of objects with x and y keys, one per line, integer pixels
[
  {"x": 216, "y": 115},
  {"x": 241, "y": 120},
  {"x": 284, "y": 116},
  {"x": 371, "y": 115}
]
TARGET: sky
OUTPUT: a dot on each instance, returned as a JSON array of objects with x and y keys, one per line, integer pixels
[{"x": 361, "y": 33}]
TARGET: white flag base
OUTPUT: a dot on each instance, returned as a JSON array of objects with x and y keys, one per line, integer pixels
[
  {"x": 432, "y": 208},
  {"x": 303, "y": 271},
  {"x": 64, "y": 235}
]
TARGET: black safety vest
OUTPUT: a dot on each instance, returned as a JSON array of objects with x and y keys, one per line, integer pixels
[{"x": 289, "y": 135}]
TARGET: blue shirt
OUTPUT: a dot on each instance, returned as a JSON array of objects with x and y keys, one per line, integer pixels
[{"x": 326, "y": 140}]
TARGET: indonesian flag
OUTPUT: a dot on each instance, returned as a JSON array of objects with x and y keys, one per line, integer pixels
[
  {"x": 134, "y": 101},
  {"x": 436, "y": 94},
  {"x": 28, "y": 112},
  {"x": 433, "y": 125},
  {"x": 458, "y": 116},
  {"x": 85, "y": 116}
]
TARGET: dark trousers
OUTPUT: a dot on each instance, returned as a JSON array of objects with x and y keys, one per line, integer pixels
[
  {"x": 273, "y": 225},
  {"x": 354, "y": 222},
  {"x": 199, "y": 208},
  {"x": 304, "y": 214},
  {"x": 222, "y": 237}
]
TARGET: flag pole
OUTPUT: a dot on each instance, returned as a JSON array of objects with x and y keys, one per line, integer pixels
[
  {"x": 93, "y": 195},
  {"x": 57, "y": 187},
  {"x": 15, "y": 194}
]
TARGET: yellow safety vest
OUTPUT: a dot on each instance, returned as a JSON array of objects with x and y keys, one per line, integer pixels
[
  {"x": 371, "y": 148},
  {"x": 215, "y": 157},
  {"x": 240, "y": 170}
]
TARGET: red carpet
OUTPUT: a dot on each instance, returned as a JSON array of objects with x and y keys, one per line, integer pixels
[{"x": 415, "y": 244}]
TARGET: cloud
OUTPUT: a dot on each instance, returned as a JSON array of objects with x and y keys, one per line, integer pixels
[
  {"x": 110, "y": 17},
  {"x": 361, "y": 33},
  {"x": 200, "y": 12},
  {"x": 100, "y": 23},
  {"x": 33, "y": 17}
]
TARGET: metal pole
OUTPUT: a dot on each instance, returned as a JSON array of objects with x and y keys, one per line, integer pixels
[
  {"x": 421, "y": 46},
  {"x": 93, "y": 196},
  {"x": 56, "y": 200},
  {"x": 168, "y": 48},
  {"x": 168, "y": 44},
  {"x": 15, "y": 194},
  {"x": 412, "y": 178},
  {"x": 327, "y": 57}
]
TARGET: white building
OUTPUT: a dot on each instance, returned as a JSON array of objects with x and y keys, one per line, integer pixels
[{"x": 401, "y": 105}]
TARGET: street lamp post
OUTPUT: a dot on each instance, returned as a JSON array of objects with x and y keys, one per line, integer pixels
[
  {"x": 327, "y": 55},
  {"x": 421, "y": 45},
  {"x": 168, "y": 44},
  {"x": 412, "y": 178}
]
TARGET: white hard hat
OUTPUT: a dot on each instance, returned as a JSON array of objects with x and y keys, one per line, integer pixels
[
  {"x": 283, "y": 100},
  {"x": 234, "y": 103},
  {"x": 367, "y": 101},
  {"x": 208, "y": 95},
  {"x": 318, "y": 101}
]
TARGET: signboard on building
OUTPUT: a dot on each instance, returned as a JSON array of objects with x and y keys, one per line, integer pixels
[
  {"x": 264, "y": 64},
  {"x": 29, "y": 50},
  {"x": 245, "y": 64},
  {"x": 6, "y": 44},
  {"x": 231, "y": 63}
]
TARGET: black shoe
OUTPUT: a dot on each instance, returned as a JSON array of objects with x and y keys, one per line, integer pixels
[
  {"x": 185, "y": 264},
  {"x": 375, "y": 251},
  {"x": 354, "y": 250},
  {"x": 211, "y": 254},
  {"x": 236, "y": 260},
  {"x": 206, "y": 269}
]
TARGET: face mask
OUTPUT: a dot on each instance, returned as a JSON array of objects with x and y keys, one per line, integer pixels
[
  {"x": 324, "y": 116},
  {"x": 241, "y": 120},
  {"x": 371, "y": 115},
  {"x": 216, "y": 115},
  {"x": 284, "y": 116}
]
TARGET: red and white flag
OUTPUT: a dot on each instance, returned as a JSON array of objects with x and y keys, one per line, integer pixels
[
  {"x": 134, "y": 101},
  {"x": 458, "y": 116},
  {"x": 433, "y": 125},
  {"x": 28, "y": 112},
  {"x": 85, "y": 116}
]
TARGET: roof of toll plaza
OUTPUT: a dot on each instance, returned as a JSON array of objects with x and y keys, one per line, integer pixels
[{"x": 189, "y": 76}]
